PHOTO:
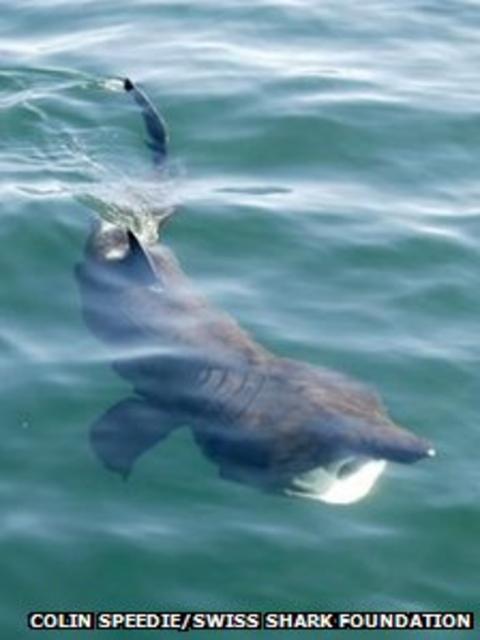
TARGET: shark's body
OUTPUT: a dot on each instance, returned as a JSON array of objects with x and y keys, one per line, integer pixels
[{"x": 275, "y": 422}]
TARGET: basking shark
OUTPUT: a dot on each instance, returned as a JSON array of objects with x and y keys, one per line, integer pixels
[{"x": 277, "y": 423}]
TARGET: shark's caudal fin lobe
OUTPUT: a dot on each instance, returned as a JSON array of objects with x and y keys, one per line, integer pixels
[
  {"x": 126, "y": 431},
  {"x": 156, "y": 128}
]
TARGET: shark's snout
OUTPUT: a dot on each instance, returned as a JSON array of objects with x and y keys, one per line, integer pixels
[{"x": 396, "y": 444}]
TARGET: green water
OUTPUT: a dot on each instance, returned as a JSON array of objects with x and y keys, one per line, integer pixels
[{"x": 325, "y": 167}]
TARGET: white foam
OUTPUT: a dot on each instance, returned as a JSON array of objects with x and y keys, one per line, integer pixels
[{"x": 114, "y": 84}]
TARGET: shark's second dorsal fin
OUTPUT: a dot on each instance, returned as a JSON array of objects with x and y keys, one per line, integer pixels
[{"x": 136, "y": 264}]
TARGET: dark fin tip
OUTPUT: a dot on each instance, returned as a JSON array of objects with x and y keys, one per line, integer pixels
[
  {"x": 134, "y": 242},
  {"x": 128, "y": 85},
  {"x": 138, "y": 261}
]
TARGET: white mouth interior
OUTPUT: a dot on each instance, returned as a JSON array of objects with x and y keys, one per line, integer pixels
[{"x": 332, "y": 486}]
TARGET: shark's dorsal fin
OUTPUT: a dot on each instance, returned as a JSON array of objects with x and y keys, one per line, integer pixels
[{"x": 136, "y": 263}]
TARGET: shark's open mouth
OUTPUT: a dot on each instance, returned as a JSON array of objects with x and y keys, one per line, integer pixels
[{"x": 342, "y": 483}]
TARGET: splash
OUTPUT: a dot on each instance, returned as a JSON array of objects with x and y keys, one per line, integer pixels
[
  {"x": 140, "y": 205},
  {"x": 124, "y": 197}
]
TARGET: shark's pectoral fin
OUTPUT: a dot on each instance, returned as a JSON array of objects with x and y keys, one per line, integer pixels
[{"x": 127, "y": 430}]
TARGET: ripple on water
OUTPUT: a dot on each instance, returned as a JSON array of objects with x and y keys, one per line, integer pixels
[{"x": 324, "y": 163}]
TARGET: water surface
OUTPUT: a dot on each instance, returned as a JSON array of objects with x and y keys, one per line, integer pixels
[{"x": 325, "y": 169}]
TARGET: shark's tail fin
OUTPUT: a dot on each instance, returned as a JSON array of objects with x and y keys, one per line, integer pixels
[
  {"x": 157, "y": 142},
  {"x": 154, "y": 124}
]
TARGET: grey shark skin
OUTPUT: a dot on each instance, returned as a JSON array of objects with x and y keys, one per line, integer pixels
[{"x": 262, "y": 419}]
